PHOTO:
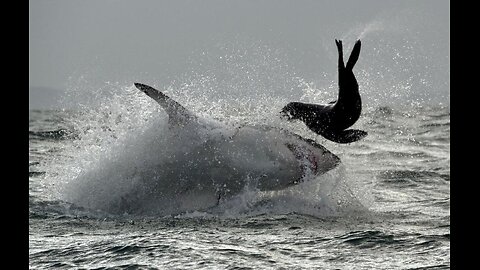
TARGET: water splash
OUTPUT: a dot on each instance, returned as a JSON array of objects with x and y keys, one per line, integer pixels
[{"x": 124, "y": 141}]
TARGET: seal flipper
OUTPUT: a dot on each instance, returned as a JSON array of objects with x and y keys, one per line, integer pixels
[
  {"x": 302, "y": 111},
  {"x": 345, "y": 136},
  {"x": 341, "y": 65},
  {"x": 177, "y": 114},
  {"x": 352, "y": 60}
]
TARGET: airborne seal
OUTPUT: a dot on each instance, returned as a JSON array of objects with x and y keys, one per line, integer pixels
[{"x": 332, "y": 120}]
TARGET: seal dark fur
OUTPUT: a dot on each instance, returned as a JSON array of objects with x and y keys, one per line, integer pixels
[{"x": 332, "y": 120}]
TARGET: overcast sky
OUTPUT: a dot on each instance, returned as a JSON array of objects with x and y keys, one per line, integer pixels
[{"x": 157, "y": 41}]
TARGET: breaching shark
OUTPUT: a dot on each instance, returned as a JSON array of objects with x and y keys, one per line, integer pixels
[{"x": 198, "y": 162}]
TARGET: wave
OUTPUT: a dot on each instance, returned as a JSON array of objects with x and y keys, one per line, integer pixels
[
  {"x": 370, "y": 239},
  {"x": 399, "y": 175},
  {"x": 57, "y": 134},
  {"x": 35, "y": 173}
]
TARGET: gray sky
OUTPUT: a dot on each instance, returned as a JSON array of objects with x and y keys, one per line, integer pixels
[{"x": 97, "y": 41}]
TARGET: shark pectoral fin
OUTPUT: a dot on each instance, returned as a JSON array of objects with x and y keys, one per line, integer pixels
[
  {"x": 345, "y": 136},
  {"x": 354, "y": 55}
]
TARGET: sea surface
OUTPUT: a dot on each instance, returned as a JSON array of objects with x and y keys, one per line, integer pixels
[{"x": 387, "y": 206}]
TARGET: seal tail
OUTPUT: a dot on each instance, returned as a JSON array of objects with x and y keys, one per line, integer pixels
[{"x": 352, "y": 60}]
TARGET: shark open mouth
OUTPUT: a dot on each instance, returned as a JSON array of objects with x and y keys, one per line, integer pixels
[{"x": 307, "y": 159}]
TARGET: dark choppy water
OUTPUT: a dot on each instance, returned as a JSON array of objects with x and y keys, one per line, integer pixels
[{"x": 396, "y": 217}]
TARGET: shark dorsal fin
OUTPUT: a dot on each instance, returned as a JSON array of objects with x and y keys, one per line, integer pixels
[{"x": 177, "y": 114}]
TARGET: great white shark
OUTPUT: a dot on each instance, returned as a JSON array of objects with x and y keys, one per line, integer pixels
[
  {"x": 289, "y": 156},
  {"x": 197, "y": 162}
]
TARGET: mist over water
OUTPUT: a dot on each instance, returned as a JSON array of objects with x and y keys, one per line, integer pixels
[{"x": 404, "y": 57}]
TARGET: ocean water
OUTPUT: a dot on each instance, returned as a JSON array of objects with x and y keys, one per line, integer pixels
[{"x": 387, "y": 206}]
